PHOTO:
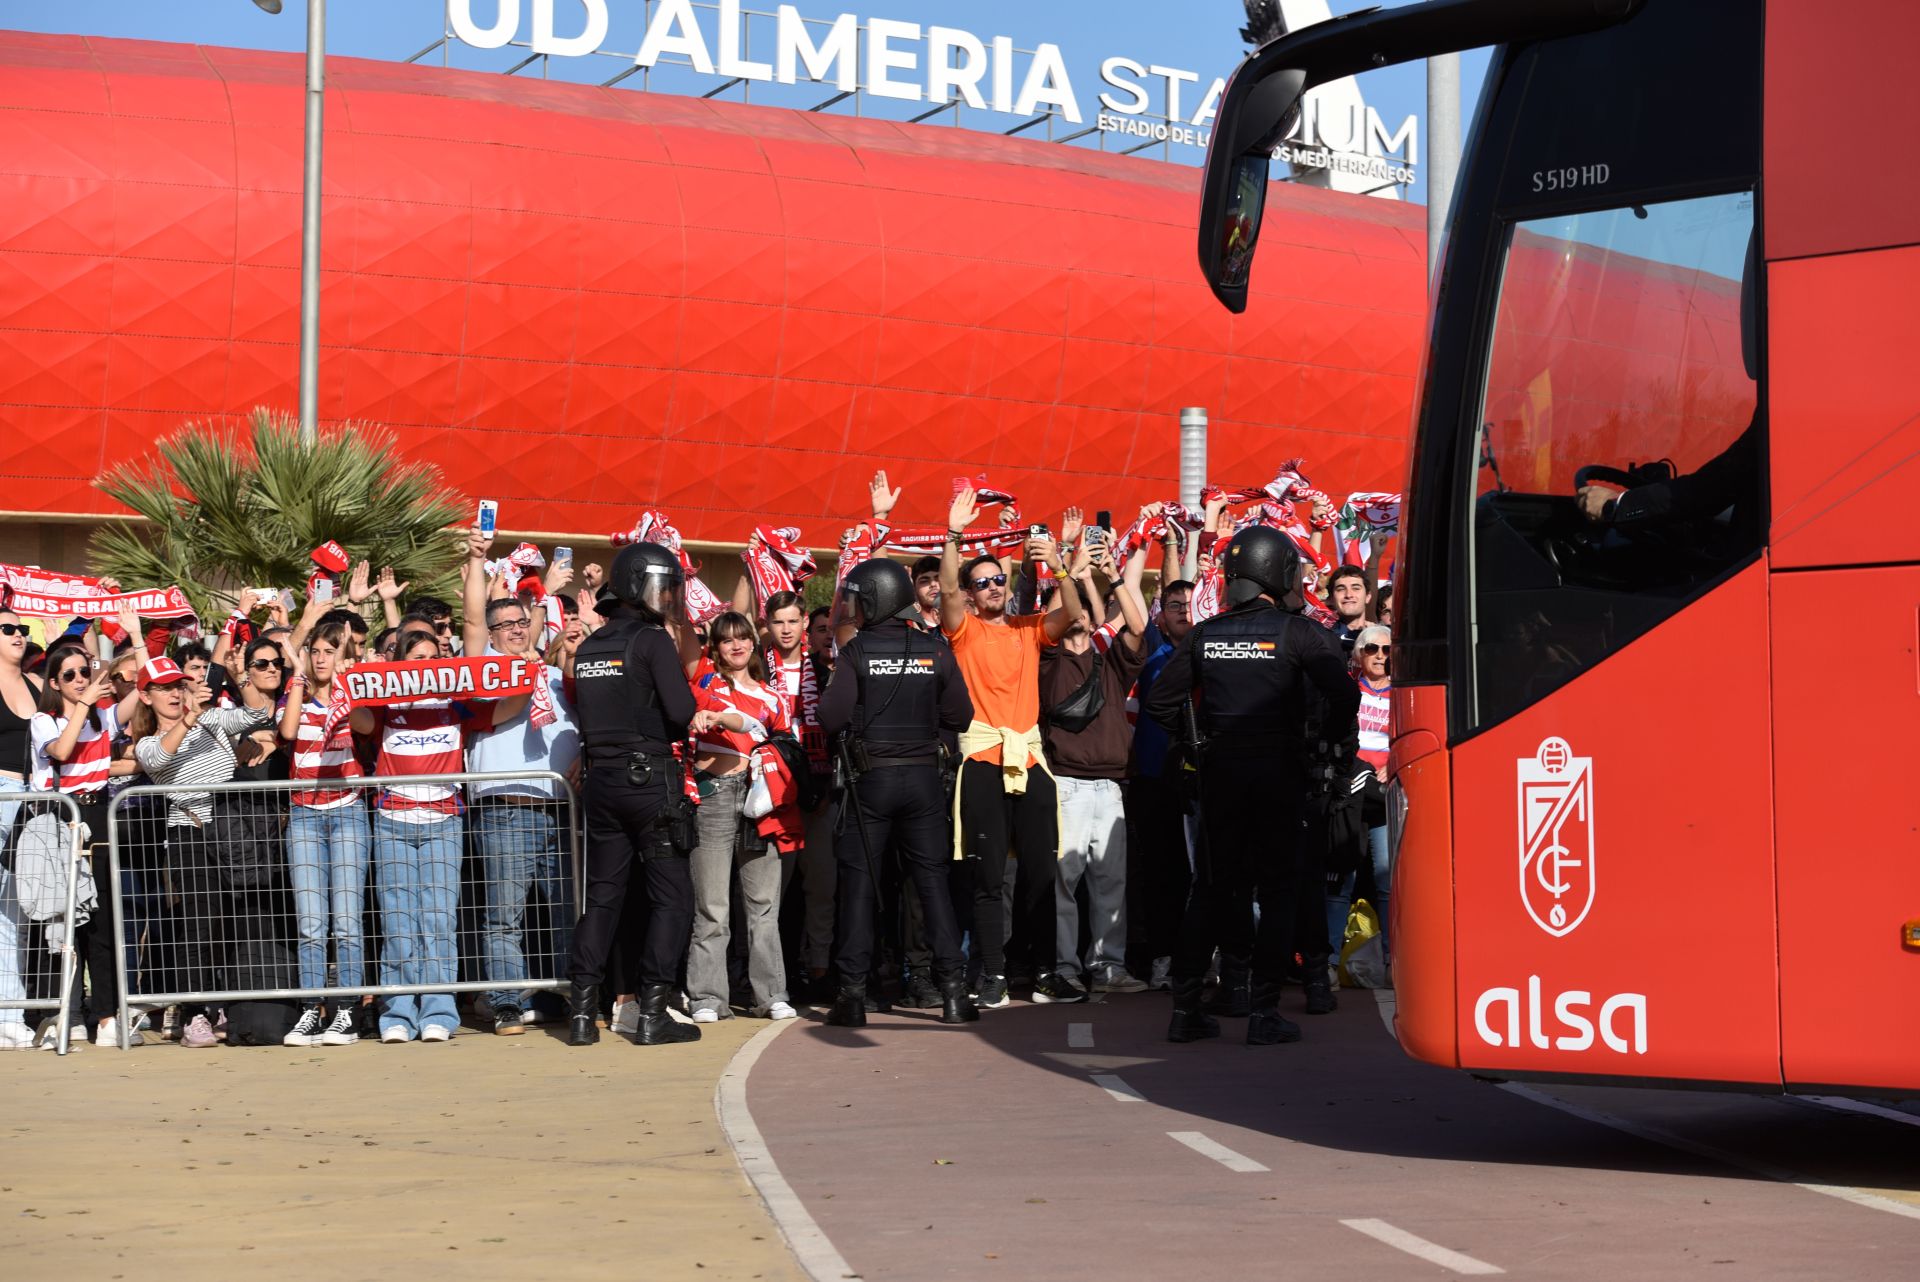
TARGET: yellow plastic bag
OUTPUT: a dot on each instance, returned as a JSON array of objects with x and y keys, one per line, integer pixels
[{"x": 1363, "y": 962}]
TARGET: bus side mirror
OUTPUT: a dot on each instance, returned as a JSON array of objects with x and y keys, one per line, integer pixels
[{"x": 1257, "y": 109}]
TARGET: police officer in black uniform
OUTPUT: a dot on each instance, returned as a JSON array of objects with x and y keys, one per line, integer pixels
[
  {"x": 894, "y": 689},
  {"x": 1246, "y": 672},
  {"x": 633, "y": 703}
]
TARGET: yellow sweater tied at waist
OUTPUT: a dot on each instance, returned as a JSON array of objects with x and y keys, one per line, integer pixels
[{"x": 1015, "y": 747}]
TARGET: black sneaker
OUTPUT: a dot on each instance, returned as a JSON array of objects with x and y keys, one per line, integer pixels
[
  {"x": 993, "y": 993},
  {"x": 307, "y": 1031},
  {"x": 1055, "y": 987},
  {"x": 921, "y": 994},
  {"x": 340, "y": 1030},
  {"x": 507, "y": 1021}
]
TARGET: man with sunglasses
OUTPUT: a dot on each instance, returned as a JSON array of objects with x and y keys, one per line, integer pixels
[
  {"x": 1008, "y": 803},
  {"x": 518, "y": 824}
]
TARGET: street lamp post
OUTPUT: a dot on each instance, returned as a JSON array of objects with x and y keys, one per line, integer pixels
[{"x": 310, "y": 220}]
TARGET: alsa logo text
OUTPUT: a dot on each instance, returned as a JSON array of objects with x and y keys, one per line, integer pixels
[
  {"x": 1238, "y": 650},
  {"x": 1621, "y": 1021}
]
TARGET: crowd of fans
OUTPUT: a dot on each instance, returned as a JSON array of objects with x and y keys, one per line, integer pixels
[{"x": 1072, "y": 829}]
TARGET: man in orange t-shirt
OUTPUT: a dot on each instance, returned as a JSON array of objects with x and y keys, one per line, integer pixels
[{"x": 1007, "y": 800}]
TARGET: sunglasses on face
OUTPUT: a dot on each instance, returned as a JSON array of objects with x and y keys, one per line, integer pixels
[
  {"x": 1374, "y": 647},
  {"x": 443, "y": 625},
  {"x": 266, "y": 665},
  {"x": 990, "y": 581},
  {"x": 72, "y": 674},
  {"x": 13, "y": 630}
]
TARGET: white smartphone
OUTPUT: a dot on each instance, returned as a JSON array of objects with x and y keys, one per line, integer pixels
[
  {"x": 489, "y": 517},
  {"x": 323, "y": 590}
]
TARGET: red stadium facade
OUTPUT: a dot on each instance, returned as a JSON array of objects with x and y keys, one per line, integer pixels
[{"x": 581, "y": 301}]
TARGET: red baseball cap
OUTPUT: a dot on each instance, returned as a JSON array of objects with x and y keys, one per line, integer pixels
[
  {"x": 160, "y": 672},
  {"x": 330, "y": 556}
]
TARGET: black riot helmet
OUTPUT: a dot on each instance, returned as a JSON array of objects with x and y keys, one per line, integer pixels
[
  {"x": 647, "y": 577},
  {"x": 883, "y": 589},
  {"x": 1260, "y": 559}
]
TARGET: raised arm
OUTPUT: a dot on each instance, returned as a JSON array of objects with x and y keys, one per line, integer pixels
[
  {"x": 1133, "y": 604},
  {"x": 953, "y": 606},
  {"x": 1063, "y": 616},
  {"x": 473, "y": 593}
]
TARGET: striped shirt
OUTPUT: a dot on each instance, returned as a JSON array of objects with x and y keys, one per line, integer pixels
[
  {"x": 317, "y": 760},
  {"x": 765, "y": 711},
  {"x": 1375, "y": 706},
  {"x": 205, "y": 755},
  {"x": 84, "y": 773},
  {"x": 426, "y": 737}
]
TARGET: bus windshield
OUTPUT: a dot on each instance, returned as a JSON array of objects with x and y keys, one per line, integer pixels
[{"x": 1617, "y": 459}]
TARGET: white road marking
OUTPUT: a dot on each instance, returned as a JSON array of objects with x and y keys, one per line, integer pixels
[
  {"x": 1218, "y": 1152},
  {"x": 1079, "y": 1037},
  {"x": 1657, "y": 1135},
  {"x": 1845, "y": 1105},
  {"x": 1113, "y": 1086},
  {"x": 817, "y": 1255},
  {"x": 1432, "y": 1253}
]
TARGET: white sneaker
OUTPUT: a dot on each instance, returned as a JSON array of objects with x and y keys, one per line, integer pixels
[
  {"x": 1162, "y": 980},
  {"x": 396, "y": 1034},
  {"x": 780, "y": 1010},
  {"x": 626, "y": 1017},
  {"x": 307, "y": 1031},
  {"x": 705, "y": 1016},
  {"x": 1116, "y": 979},
  {"x": 16, "y": 1037},
  {"x": 109, "y": 1034},
  {"x": 50, "y": 1036},
  {"x": 436, "y": 1033}
]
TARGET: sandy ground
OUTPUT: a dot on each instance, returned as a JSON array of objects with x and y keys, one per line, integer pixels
[{"x": 482, "y": 1155}]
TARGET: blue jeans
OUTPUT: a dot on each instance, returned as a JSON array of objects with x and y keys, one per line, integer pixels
[
  {"x": 418, "y": 866},
  {"x": 327, "y": 855},
  {"x": 1340, "y": 902},
  {"x": 520, "y": 848}
]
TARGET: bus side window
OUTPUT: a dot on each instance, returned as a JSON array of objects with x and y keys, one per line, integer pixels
[{"x": 1619, "y": 455}]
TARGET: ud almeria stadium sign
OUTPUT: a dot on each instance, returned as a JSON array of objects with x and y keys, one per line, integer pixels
[{"x": 886, "y": 58}]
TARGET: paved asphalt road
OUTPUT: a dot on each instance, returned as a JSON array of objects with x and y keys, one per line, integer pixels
[{"x": 1073, "y": 1142}]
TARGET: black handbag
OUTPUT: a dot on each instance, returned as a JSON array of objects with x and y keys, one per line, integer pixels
[{"x": 1077, "y": 711}]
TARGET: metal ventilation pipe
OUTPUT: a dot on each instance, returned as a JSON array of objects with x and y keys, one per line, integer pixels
[{"x": 1193, "y": 471}]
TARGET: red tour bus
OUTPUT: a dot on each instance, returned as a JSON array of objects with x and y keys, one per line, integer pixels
[{"x": 1655, "y": 686}]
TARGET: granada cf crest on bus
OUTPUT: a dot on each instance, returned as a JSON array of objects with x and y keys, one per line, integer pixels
[{"x": 1556, "y": 836}]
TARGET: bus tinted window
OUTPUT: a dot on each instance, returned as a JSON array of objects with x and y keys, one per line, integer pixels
[{"x": 1618, "y": 459}]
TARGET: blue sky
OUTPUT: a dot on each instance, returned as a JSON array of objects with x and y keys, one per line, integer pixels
[{"x": 1196, "y": 35}]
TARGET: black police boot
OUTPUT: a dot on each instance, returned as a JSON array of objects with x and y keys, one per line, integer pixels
[
  {"x": 850, "y": 1007},
  {"x": 1190, "y": 1023},
  {"x": 583, "y": 1007},
  {"x": 657, "y": 1028},
  {"x": 922, "y": 994},
  {"x": 1266, "y": 1026},
  {"x": 1233, "y": 997},
  {"x": 955, "y": 1006},
  {"x": 1321, "y": 999}
]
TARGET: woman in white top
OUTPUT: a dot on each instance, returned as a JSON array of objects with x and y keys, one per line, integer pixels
[{"x": 73, "y": 737}]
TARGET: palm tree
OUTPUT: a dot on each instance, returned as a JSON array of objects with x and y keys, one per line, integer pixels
[{"x": 224, "y": 514}]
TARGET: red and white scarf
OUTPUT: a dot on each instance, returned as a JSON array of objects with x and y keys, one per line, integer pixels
[
  {"x": 778, "y": 563},
  {"x": 388, "y": 685},
  {"x": 653, "y": 527},
  {"x": 29, "y": 590}
]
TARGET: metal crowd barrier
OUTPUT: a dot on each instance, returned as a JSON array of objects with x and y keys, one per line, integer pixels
[
  {"x": 39, "y": 900},
  {"x": 262, "y": 901}
]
